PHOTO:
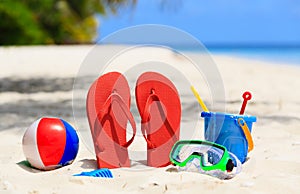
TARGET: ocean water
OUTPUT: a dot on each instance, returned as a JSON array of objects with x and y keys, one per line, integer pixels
[{"x": 286, "y": 55}]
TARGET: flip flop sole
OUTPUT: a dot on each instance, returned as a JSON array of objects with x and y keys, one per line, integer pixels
[
  {"x": 160, "y": 118},
  {"x": 108, "y": 125}
]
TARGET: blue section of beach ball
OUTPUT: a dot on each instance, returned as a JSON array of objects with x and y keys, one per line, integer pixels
[{"x": 72, "y": 144}]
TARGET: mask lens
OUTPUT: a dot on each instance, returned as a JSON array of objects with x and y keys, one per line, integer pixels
[{"x": 212, "y": 157}]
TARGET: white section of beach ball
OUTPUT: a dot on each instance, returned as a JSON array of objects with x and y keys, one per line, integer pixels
[{"x": 30, "y": 148}]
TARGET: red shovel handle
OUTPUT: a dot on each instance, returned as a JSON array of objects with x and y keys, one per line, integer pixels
[{"x": 247, "y": 96}]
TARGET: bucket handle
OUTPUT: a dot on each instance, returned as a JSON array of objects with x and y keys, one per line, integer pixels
[{"x": 247, "y": 133}]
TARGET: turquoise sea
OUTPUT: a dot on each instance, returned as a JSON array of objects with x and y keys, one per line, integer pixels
[
  {"x": 278, "y": 54},
  {"x": 281, "y": 54}
]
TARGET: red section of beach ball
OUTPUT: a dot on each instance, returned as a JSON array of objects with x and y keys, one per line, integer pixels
[{"x": 51, "y": 140}]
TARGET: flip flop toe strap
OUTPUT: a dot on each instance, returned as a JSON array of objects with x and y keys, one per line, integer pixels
[
  {"x": 115, "y": 97},
  {"x": 146, "y": 117}
]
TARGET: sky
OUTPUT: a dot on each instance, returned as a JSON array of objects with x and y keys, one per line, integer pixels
[{"x": 215, "y": 22}]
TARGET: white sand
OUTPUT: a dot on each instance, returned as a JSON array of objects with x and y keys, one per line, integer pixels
[{"x": 273, "y": 165}]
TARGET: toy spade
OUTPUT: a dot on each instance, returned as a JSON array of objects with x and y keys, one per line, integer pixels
[{"x": 246, "y": 96}]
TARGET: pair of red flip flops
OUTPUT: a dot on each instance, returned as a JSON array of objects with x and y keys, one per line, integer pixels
[{"x": 108, "y": 110}]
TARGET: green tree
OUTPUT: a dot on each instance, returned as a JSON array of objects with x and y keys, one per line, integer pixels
[{"x": 52, "y": 21}]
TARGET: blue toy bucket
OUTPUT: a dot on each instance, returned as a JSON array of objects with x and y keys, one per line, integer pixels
[{"x": 224, "y": 129}]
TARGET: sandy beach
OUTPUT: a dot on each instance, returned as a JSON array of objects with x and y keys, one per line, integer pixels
[{"x": 38, "y": 81}]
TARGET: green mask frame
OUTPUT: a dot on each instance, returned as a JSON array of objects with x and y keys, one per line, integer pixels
[{"x": 211, "y": 156}]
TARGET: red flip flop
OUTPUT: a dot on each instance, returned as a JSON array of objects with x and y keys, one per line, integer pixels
[
  {"x": 160, "y": 109},
  {"x": 108, "y": 110}
]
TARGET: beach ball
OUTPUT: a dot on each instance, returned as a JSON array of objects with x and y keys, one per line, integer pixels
[{"x": 50, "y": 143}]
